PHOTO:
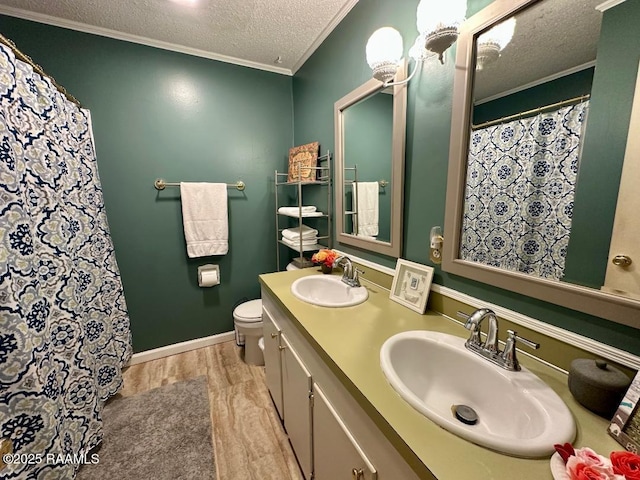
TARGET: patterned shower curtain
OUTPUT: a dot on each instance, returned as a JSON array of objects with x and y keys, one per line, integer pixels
[
  {"x": 519, "y": 193},
  {"x": 64, "y": 328}
]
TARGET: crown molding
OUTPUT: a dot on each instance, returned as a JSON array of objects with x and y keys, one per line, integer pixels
[
  {"x": 106, "y": 32},
  {"x": 603, "y": 7},
  {"x": 324, "y": 34},
  {"x": 540, "y": 81}
]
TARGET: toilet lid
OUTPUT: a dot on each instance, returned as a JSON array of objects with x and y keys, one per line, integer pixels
[{"x": 250, "y": 311}]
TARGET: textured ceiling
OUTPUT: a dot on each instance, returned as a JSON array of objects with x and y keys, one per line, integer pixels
[
  {"x": 247, "y": 32},
  {"x": 551, "y": 37}
]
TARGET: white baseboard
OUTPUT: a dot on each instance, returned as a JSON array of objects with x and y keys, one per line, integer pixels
[{"x": 181, "y": 347}]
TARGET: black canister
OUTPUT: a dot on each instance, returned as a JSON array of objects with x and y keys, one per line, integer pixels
[{"x": 597, "y": 385}]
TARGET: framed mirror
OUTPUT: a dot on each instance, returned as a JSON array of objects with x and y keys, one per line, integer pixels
[
  {"x": 369, "y": 165},
  {"x": 539, "y": 144}
]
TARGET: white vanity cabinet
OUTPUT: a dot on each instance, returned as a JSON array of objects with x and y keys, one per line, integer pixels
[
  {"x": 273, "y": 359},
  {"x": 290, "y": 385},
  {"x": 332, "y": 434},
  {"x": 337, "y": 453},
  {"x": 296, "y": 396}
]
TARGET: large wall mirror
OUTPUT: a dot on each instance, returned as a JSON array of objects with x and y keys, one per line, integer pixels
[
  {"x": 370, "y": 141},
  {"x": 541, "y": 193}
]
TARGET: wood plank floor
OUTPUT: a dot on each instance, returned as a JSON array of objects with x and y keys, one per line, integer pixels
[{"x": 249, "y": 440}]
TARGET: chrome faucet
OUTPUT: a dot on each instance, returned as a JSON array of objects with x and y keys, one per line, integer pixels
[
  {"x": 489, "y": 349},
  {"x": 349, "y": 273}
]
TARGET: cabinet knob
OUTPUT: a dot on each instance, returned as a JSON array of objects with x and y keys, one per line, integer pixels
[
  {"x": 281, "y": 347},
  {"x": 357, "y": 474},
  {"x": 274, "y": 335}
]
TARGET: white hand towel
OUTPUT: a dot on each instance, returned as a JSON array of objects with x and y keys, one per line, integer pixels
[
  {"x": 297, "y": 210},
  {"x": 295, "y": 233},
  {"x": 368, "y": 208},
  {"x": 305, "y": 246},
  {"x": 305, "y": 241},
  {"x": 205, "y": 219}
]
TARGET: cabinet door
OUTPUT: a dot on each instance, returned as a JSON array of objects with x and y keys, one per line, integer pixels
[
  {"x": 273, "y": 359},
  {"x": 336, "y": 453},
  {"x": 296, "y": 389}
]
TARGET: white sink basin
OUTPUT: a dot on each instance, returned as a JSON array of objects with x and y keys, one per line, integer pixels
[
  {"x": 328, "y": 291},
  {"x": 517, "y": 413}
]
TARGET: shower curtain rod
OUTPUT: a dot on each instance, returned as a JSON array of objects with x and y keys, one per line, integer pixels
[
  {"x": 38, "y": 69},
  {"x": 529, "y": 112}
]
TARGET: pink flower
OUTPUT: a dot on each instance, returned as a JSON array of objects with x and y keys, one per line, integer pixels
[
  {"x": 586, "y": 464},
  {"x": 578, "y": 469}
]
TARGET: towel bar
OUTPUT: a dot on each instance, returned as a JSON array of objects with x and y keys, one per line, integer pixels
[{"x": 160, "y": 184}]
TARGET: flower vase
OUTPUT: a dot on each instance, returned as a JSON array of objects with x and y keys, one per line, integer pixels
[{"x": 326, "y": 269}]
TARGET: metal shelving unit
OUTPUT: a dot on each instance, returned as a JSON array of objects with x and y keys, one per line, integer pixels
[{"x": 323, "y": 178}]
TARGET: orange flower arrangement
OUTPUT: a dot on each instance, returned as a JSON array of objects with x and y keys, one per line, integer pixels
[{"x": 325, "y": 257}]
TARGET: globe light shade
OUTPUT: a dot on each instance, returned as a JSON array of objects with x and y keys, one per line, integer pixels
[
  {"x": 438, "y": 21},
  {"x": 501, "y": 34},
  {"x": 384, "y": 52},
  {"x": 492, "y": 42},
  {"x": 435, "y": 14}
]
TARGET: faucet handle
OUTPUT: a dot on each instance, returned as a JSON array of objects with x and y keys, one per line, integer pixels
[{"x": 509, "y": 353}]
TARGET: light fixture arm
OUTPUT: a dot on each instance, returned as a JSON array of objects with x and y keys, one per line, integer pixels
[{"x": 418, "y": 63}]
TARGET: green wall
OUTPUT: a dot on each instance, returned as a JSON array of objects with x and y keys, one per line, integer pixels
[
  {"x": 368, "y": 128},
  {"x": 338, "y": 67},
  {"x": 604, "y": 146},
  {"x": 163, "y": 114},
  {"x": 558, "y": 90}
]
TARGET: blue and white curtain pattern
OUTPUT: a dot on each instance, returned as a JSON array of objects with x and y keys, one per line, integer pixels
[
  {"x": 520, "y": 187},
  {"x": 64, "y": 327}
]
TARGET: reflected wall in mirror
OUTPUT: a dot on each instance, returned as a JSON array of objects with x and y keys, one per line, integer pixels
[
  {"x": 370, "y": 139},
  {"x": 539, "y": 131},
  {"x": 367, "y": 140}
]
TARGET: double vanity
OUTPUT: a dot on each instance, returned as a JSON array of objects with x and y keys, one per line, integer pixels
[{"x": 377, "y": 391}]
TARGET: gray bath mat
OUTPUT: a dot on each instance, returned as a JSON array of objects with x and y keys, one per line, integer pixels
[{"x": 162, "y": 434}]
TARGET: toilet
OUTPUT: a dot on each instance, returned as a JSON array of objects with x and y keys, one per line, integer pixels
[{"x": 247, "y": 319}]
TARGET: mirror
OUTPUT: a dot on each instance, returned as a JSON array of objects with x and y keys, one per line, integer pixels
[
  {"x": 370, "y": 140},
  {"x": 538, "y": 145}
]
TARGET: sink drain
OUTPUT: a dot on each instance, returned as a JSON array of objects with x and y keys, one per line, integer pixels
[{"x": 465, "y": 414}]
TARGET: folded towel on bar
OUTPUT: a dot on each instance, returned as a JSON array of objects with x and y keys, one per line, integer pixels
[
  {"x": 295, "y": 233},
  {"x": 296, "y": 211},
  {"x": 367, "y": 206},
  {"x": 205, "y": 218},
  {"x": 296, "y": 245}
]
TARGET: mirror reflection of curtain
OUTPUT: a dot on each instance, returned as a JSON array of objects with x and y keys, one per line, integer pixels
[
  {"x": 64, "y": 327},
  {"x": 519, "y": 192}
]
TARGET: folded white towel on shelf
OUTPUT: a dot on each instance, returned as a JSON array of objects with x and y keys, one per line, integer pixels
[
  {"x": 297, "y": 232},
  {"x": 296, "y": 210},
  {"x": 367, "y": 206},
  {"x": 205, "y": 218},
  {"x": 305, "y": 241},
  {"x": 296, "y": 244}
]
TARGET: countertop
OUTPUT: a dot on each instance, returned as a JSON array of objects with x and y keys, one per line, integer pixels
[{"x": 350, "y": 339}]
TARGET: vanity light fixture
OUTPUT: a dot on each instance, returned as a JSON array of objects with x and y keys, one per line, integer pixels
[
  {"x": 492, "y": 42},
  {"x": 437, "y": 23},
  {"x": 384, "y": 52}
]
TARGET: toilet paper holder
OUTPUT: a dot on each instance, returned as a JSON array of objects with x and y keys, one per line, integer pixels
[{"x": 208, "y": 275}]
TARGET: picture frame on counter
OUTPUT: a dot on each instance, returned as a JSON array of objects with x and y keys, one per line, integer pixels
[
  {"x": 625, "y": 424},
  {"x": 411, "y": 285}
]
